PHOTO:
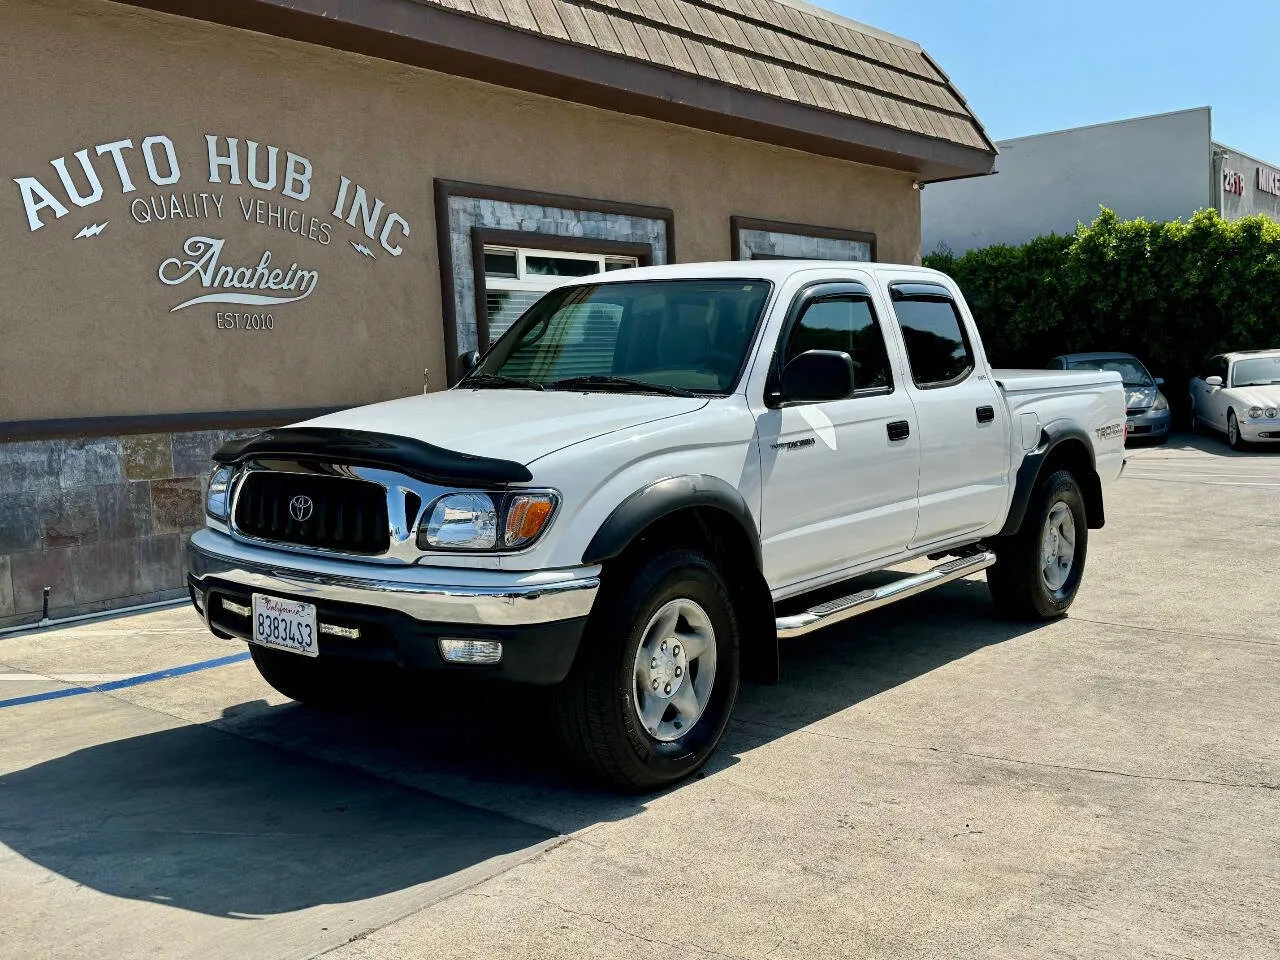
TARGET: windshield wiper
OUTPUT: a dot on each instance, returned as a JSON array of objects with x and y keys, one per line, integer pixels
[
  {"x": 602, "y": 381},
  {"x": 482, "y": 380}
]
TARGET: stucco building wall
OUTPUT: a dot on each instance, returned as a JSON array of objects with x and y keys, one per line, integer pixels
[{"x": 90, "y": 329}]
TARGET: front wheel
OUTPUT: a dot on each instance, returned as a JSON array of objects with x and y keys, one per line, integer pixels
[
  {"x": 1038, "y": 569},
  {"x": 1234, "y": 440},
  {"x": 657, "y": 673}
]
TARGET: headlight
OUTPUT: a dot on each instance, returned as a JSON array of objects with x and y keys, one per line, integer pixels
[
  {"x": 1255, "y": 413},
  {"x": 1161, "y": 402},
  {"x": 482, "y": 521},
  {"x": 215, "y": 504},
  {"x": 461, "y": 521},
  {"x": 1271, "y": 413}
]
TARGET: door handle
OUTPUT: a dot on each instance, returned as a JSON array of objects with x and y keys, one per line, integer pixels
[
  {"x": 898, "y": 430},
  {"x": 986, "y": 414}
]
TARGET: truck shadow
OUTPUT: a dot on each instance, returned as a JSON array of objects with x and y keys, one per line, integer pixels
[{"x": 299, "y": 807}]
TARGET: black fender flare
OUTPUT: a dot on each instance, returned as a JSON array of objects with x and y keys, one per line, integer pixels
[
  {"x": 661, "y": 498},
  {"x": 664, "y": 497},
  {"x": 1052, "y": 436}
]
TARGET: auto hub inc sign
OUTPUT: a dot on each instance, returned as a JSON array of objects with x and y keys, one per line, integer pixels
[{"x": 140, "y": 183}]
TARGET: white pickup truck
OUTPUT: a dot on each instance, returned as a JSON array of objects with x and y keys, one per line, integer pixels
[{"x": 653, "y": 478}]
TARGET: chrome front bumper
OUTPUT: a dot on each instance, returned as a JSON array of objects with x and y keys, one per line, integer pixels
[{"x": 430, "y": 594}]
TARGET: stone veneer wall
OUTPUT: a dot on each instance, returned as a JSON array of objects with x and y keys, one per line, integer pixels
[
  {"x": 103, "y": 521},
  {"x": 796, "y": 246}
]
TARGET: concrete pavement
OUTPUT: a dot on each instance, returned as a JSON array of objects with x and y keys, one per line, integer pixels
[{"x": 928, "y": 781}]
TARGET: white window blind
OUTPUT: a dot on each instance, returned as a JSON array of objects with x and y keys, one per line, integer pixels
[{"x": 515, "y": 277}]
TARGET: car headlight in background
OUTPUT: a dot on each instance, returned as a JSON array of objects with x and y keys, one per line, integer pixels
[
  {"x": 1161, "y": 403},
  {"x": 1271, "y": 413},
  {"x": 216, "y": 504},
  {"x": 483, "y": 521},
  {"x": 1255, "y": 413}
]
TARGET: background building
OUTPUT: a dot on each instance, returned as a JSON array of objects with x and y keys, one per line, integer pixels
[
  {"x": 218, "y": 217},
  {"x": 1162, "y": 167}
]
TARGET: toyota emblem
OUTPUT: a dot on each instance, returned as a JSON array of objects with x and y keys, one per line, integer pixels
[{"x": 300, "y": 508}]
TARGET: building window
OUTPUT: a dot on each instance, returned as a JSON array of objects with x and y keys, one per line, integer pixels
[
  {"x": 515, "y": 277},
  {"x": 753, "y": 239},
  {"x": 483, "y": 229}
]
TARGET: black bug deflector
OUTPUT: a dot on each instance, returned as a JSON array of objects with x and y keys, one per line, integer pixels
[{"x": 362, "y": 448}]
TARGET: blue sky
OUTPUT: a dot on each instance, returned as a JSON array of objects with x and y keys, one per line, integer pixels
[{"x": 1029, "y": 66}]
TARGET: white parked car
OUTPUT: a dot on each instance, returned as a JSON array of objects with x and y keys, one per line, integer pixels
[
  {"x": 649, "y": 481},
  {"x": 1239, "y": 395}
]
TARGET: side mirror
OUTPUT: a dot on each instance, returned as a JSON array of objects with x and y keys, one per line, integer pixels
[
  {"x": 1213, "y": 381},
  {"x": 818, "y": 375},
  {"x": 1159, "y": 381}
]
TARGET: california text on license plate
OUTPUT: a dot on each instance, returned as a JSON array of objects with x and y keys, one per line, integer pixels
[{"x": 285, "y": 624}]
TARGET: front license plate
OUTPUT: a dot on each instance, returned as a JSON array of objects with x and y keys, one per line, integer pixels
[{"x": 285, "y": 624}]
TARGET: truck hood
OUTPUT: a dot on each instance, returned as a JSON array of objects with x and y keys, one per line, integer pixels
[{"x": 520, "y": 425}]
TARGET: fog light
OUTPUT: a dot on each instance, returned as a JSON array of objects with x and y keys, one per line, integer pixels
[
  {"x": 333, "y": 630},
  {"x": 239, "y": 609},
  {"x": 457, "y": 650}
]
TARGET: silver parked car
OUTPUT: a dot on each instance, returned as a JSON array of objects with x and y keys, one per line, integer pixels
[
  {"x": 1239, "y": 395},
  {"x": 1146, "y": 406}
]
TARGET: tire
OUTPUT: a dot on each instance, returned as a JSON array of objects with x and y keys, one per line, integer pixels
[
  {"x": 308, "y": 680},
  {"x": 597, "y": 709},
  {"x": 1234, "y": 440},
  {"x": 1018, "y": 582}
]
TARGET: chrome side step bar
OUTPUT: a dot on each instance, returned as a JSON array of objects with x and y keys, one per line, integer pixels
[{"x": 842, "y": 608}]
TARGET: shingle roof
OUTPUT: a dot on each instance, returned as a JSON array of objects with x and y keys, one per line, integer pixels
[{"x": 790, "y": 51}]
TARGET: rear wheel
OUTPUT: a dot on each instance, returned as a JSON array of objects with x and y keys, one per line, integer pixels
[
  {"x": 1038, "y": 569},
  {"x": 657, "y": 673}
]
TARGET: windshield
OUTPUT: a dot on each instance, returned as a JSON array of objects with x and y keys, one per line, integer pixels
[
  {"x": 1256, "y": 372},
  {"x": 1131, "y": 371},
  {"x": 637, "y": 336}
]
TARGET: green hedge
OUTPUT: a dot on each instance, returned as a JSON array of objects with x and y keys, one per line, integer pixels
[{"x": 1172, "y": 293}]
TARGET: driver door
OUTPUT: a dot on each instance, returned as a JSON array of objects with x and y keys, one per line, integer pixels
[{"x": 839, "y": 477}]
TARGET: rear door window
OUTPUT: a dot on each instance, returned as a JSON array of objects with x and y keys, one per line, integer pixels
[{"x": 938, "y": 349}]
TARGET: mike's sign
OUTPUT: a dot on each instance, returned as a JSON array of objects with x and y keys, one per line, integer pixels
[{"x": 149, "y": 175}]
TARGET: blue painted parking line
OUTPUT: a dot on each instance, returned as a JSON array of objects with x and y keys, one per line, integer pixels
[{"x": 126, "y": 682}]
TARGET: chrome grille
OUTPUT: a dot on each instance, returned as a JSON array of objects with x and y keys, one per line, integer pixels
[{"x": 345, "y": 514}]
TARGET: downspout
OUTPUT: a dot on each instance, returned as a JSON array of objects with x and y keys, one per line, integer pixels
[{"x": 1220, "y": 157}]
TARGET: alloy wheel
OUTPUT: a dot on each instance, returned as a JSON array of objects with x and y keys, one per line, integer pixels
[
  {"x": 675, "y": 669},
  {"x": 1057, "y": 547}
]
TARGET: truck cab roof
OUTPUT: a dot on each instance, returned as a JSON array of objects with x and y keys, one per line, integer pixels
[{"x": 776, "y": 271}]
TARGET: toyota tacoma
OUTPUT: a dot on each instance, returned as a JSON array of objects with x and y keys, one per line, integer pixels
[{"x": 651, "y": 481}]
